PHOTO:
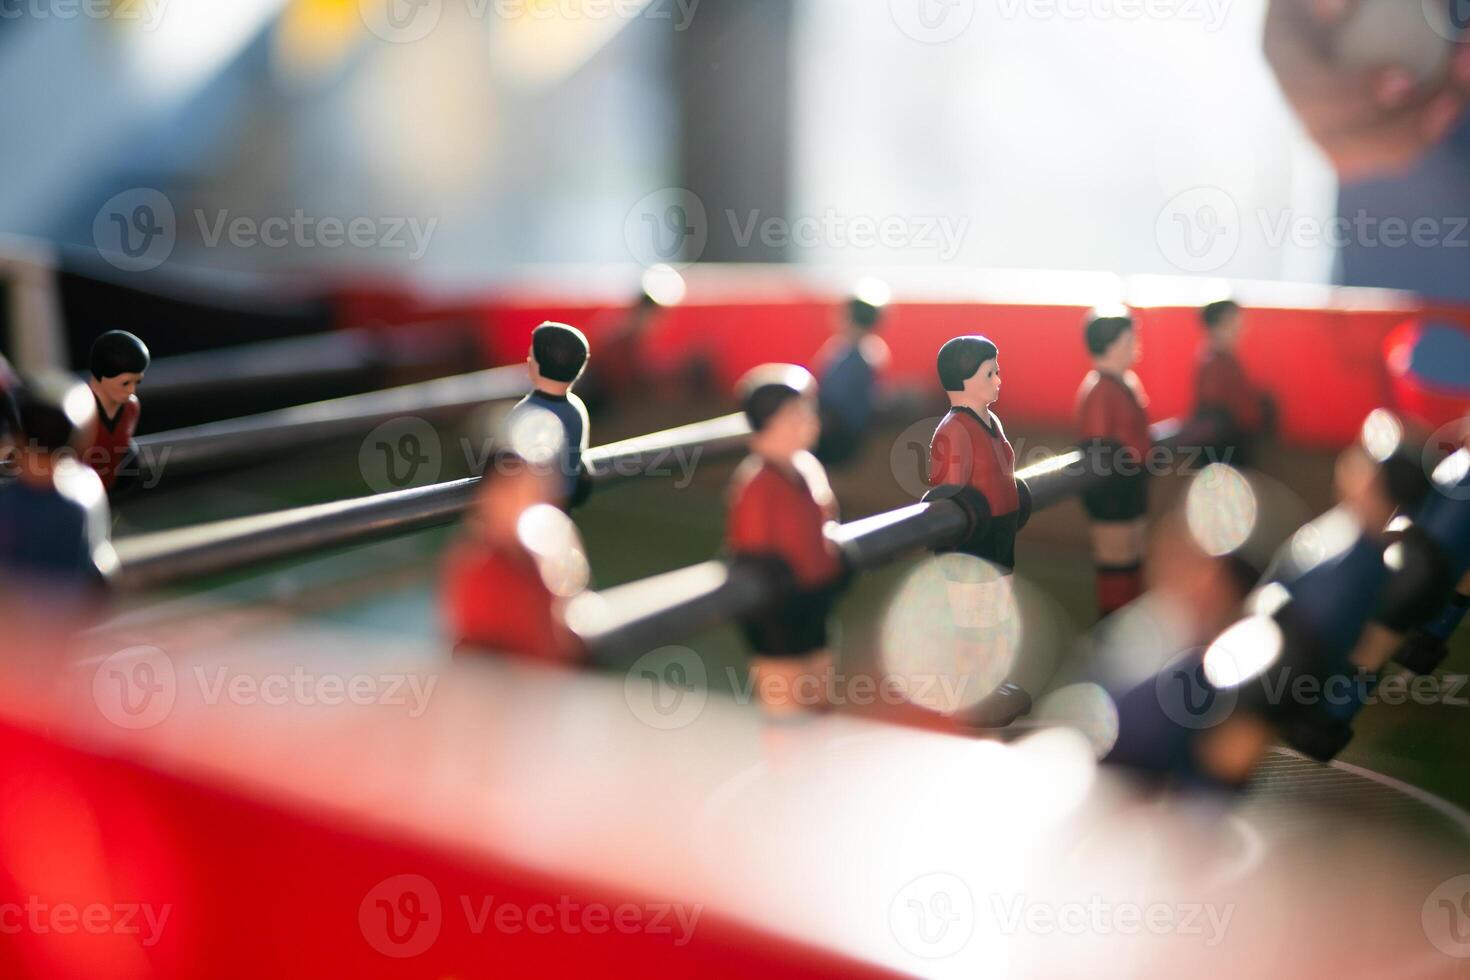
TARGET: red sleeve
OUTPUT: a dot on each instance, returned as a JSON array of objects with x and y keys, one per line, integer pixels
[
  {"x": 749, "y": 530},
  {"x": 1094, "y": 418},
  {"x": 951, "y": 455}
]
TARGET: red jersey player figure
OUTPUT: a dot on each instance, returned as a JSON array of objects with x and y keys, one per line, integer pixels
[
  {"x": 623, "y": 370},
  {"x": 970, "y": 458},
  {"x": 780, "y": 506},
  {"x": 1113, "y": 433},
  {"x": 117, "y": 362},
  {"x": 506, "y": 585},
  {"x": 1223, "y": 393}
]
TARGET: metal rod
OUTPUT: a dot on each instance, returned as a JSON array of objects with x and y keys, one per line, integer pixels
[
  {"x": 626, "y": 621},
  {"x": 149, "y": 560},
  {"x": 165, "y": 557},
  {"x": 254, "y": 437},
  {"x": 334, "y": 355}
]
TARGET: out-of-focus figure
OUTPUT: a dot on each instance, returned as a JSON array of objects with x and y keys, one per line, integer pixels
[
  {"x": 521, "y": 559},
  {"x": 848, "y": 371},
  {"x": 1112, "y": 430},
  {"x": 117, "y": 363},
  {"x": 54, "y": 519},
  {"x": 1444, "y": 523},
  {"x": 780, "y": 506},
  {"x": 1224, "y": 394},
  {"x": 623, "y": 371},
  {"x": 1169, "y": 722},
  {"x": 9, "y": 419}
]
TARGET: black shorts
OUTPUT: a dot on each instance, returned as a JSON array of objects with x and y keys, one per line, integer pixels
[
  {"x": 995, "y": 541},
  {"x": 796, "y": 627},
  {"x": 1117, "y": 498}
]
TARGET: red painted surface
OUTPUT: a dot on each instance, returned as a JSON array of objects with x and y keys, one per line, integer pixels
[
  {"x": 241, "y": 888},
  {"x": 1324, "y": 365}
]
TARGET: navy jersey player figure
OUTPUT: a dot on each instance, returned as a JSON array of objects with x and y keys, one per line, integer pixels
[
  {"x": 1344, "y": 590},
  {"x": 1206, "y": 554},
  {"x": 1113, "y": 433},
  {"x": 849, "y": 365},
  {"x": 557, "y": 359},
  {"x": 54, "y": 519},
  {"x": 117, "y": 363},
  {"x": 780, "y": 506},
  {"x": 971, "y": 459},
  {"x": 9, "y": 420},
  {"x": 1445, "y": 520}
]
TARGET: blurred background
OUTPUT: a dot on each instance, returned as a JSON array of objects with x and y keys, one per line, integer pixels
[{"x": 1012, "y": 135}]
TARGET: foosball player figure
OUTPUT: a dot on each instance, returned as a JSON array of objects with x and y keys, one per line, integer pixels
[
  {"x": 9, "y": 421},
  {"x": 1113, "y": 434},
  {"x": 558, "y": 356},
  {"x": 520, "y": 561},
  {"x": 780, "y": 507},
  {"x": 622, "y": 372},
  {"x": 971, "y": 461},
  {"x": 1444, "y": 519},
  {"x": 54, "y": 519},
  {"x": 1337, "y": 594},
  {"x": 1173, "y": 726},
  {"x": 117, "y": 363},
  {"x": 848, "y": 369},
  {"x": 1345, "y": 589},
  {"x": 1242, "y": 413}
]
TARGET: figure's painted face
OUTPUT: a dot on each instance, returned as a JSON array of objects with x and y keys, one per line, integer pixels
[
  {"x": 984, "y": 384},
  {"x": 1125, "y": 351},
  {"x": 1228, "y": 330},
  {"x": 795, "y": 427},
  {"x": 120, "y": 387},
  {"x": 507, "y": 496}
]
